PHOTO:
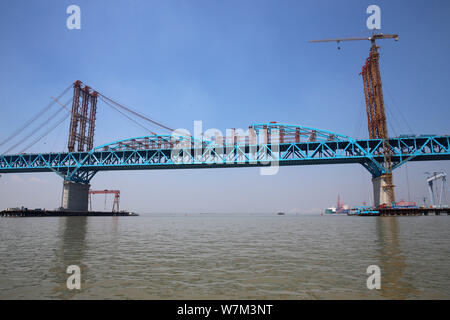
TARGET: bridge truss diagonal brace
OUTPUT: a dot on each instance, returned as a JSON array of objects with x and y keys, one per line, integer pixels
[
  {"x": 82, "y": 176},
  {"x": 371, "y": 164},
  {"x": 418, "y": 151},
  {"x": 374, "y": 170}
]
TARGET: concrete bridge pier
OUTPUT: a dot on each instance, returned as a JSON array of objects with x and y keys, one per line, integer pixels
[
  {"x": 75, "y": 196},
  {"x": 383, "y": 190}
]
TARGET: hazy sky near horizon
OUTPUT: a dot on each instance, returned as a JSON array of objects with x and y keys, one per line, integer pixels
[{"x": 227, "y": 63}]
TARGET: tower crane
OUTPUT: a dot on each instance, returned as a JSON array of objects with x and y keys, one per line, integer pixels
[
  {"x": 376, "y": 115},
  {"x": 436, "y": 176}
]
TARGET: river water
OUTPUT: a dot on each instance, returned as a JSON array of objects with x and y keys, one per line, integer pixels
[{"x": 225, "y": 256}]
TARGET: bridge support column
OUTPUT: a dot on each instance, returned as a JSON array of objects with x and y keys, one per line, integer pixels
[
  {"x": 75, "y": 196},
  {"x": 383, "y": 190}
]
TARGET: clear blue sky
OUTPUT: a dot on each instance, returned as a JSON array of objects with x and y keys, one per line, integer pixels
[{"x": 229, "y": 64}]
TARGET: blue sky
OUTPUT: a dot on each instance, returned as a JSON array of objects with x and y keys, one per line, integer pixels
[{"x": 229, "y": 64}]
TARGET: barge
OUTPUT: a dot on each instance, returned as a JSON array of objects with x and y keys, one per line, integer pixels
[
  {"x": 62, "y": 213},
  {"x": 365, "y": 211}
]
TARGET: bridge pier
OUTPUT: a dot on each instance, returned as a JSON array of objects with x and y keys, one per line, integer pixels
[
  {"x": 75, "y": 196},
  {"x": 382, "y": 191}
]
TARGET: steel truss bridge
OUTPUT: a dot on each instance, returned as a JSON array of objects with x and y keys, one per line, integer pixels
[{"x": 263, "y": 145}]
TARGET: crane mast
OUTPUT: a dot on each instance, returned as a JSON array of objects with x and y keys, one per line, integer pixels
[{"x": 376, "y": 115}]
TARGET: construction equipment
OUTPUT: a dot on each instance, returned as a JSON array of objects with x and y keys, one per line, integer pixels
[
  {"x": 116, "y": 193},
  {"x": 376, "y": 115},
  {"x": 436, "y": 176},
  {"x": 374, "y": 37},
  {"x": 83, "y": 115}
]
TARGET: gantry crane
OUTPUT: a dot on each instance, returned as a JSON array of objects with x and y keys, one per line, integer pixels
[
  {"x": 376, "y": 115},
  {"x": 430, "y": 181},
  {"x": 116, "y": 193}
]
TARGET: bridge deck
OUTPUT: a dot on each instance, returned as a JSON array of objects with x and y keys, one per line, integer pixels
[{"x": 369, "y": 153}]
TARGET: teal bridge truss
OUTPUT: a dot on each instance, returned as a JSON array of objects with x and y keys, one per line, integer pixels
[{"x": 262, "y": 145}]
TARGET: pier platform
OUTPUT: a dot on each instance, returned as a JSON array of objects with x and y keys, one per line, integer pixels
[
  {"x": 413, "y": 211},
  {"x": 63, "y": 213}
]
